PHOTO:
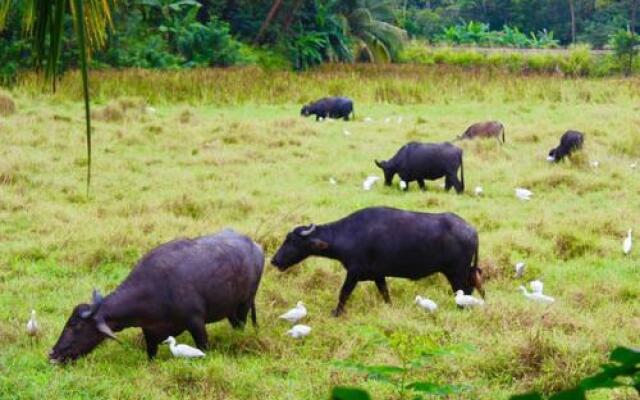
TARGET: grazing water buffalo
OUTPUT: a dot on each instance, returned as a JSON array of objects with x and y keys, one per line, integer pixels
[
  {"x": 484, "y": 130},
  {"x": 569, "y": 142},
  {"x": 178, "y": 286},
  {"x": 419, "y": 161},
  {"x": 332, "y": 107},
  {"x": 380, "y": 242}
]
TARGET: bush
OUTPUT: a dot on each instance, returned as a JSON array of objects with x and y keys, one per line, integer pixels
[
  {"x": 208, "y": 45},
  {"x": 625, "y": 45},
  {"x": 579, "y": 62}
]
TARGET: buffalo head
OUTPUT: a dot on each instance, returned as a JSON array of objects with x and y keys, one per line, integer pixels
[
  {"x": 83, "y": 331},
  {"x": 298, "y": 245},
  {"x": 389, "y": 172}
]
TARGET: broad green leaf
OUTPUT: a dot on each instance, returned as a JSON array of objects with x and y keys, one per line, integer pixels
[
  {"x": 346, "y": 393},
  {"x": 625, "y": 356}
]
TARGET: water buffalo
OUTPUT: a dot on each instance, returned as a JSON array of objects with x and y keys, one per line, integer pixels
[
  {"x": 569, "y": 142},
  {"x": 484, "y": 130},
  {"x": 419, "y": 161},
  {"x": 375, "y": 243},
  {"x": 332, "y": 107},
  {"x": 178, "y": 286}
]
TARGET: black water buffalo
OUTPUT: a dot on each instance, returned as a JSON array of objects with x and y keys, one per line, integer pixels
[
  {"x": 178, "y": 286},
  {"x": 331, "y": 107},
  {"x": 569, "y": 142},
  {"x": 380, "y": 242},
  {"x": 484, "y": 130},
  {"x": 419, "y": 161}
]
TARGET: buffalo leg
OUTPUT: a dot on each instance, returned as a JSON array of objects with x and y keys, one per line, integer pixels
[
  {"x": 423, "y": 187},
  {"x": 455, "y": 182},
  {"x": 151, "y": 340},
  {"x": 242, "y": 313},
  {"x": 199, "y": 334},
  {"x": 347, "y": 287},
  {"x": 447, "y": 183},
  {"x": 381, "y": 283}
]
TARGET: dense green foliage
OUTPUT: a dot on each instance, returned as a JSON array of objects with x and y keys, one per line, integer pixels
[{"x": 301, "y": 34}]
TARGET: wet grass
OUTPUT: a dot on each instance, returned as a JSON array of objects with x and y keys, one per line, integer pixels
[{"x": 191, "y": 168}]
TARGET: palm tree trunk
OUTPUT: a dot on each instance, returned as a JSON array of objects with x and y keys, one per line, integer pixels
[
  {"x": 634, "y": 12},
  {"x": 572, "y": 10},
  {"x": 270, "y": 17},
  {"x": 291, "y": 15}
]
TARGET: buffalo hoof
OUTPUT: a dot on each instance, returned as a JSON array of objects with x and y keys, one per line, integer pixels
[{"x": 337, "y": 312}]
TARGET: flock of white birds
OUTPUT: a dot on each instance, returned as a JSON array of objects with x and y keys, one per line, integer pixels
[{"x": 294, "y": 315}]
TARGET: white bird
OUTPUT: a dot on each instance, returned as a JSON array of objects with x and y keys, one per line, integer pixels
[
  {"x": 299, "y": 331},
  {"x": 634, "y": 165},
  {"x": 536, "y": 286},
  {"x": 402, "y": 184},
  {"x": 595, "y": 164},
  {"x": 426, "y": 304},
  {"x": 368, "y": 119},
  {"x": 399, "y": 120},
  {"x": 32, "y": 325},
  {"x": 537, "y": 297},
  {"x": 295, "y": 314},
  {"x": 369, "y": 182},
  {"x": 346, "y": 132},
  {"x": 523, "y": 194},
  {"x": 626, "y": 245},
  {"x": 150, "y": 110},
  {"x": 478, "y": 190},
  {"x": 520, "y": 269},
  {"x": 387, "y": 120},
  {"x": 333, "y": 181},
  {"x": 183, "y": 350},
  {"x": 465, "y": 300}
]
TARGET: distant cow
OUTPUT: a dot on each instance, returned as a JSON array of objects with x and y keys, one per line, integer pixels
[
  {"x": 484, "y": 130},
  {"x": 180, "y": 285},
  {"x": 419, "y": 161},
  {"x": 329, "y": 107},
  {"x": 375, "y": 243},
  {"x": 569, "y": 142}
]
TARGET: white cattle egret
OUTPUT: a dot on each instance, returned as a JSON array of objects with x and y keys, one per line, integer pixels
[
  {"x": 634, "y": 165},
  {"x": 537, "y": 297},
  {"x": 333, "y": 181},
  {"x": 183, "y": 350},
  {"x": 368, "y": 119},
  {"x": 626, "y": 245},
  {"x": 426, "y": 304},
  {"x": 465, "y": 300},
  {"x": 150, "y": 110},
  {"x": 346, "y": 132},
  {"x": 536, "y": 286},
  {"x": 369, "y": 182},
  {"x": 520, "y": 269},
  {"x": 399, "y": 120},
  {"x": 295, "y": 314},
  {"x": 478, "y": 190},
  {"x": 595, "y": 164},
  {"x": 402, "y": 184},
  {"x": 387, "y": 120},
  {"x": 299, "y": 331},
  {"x": 523, "y": 194},
  {"x": 32, "y": 325}
]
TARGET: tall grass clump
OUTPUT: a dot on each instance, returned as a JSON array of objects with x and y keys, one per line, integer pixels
[{"x": 7, "y": 105}]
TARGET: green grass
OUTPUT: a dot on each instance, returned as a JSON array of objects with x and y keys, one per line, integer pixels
[{"x": 193, "y": 168}]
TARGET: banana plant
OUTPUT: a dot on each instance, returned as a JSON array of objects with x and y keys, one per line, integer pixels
[{"x": 43, "y": 22}]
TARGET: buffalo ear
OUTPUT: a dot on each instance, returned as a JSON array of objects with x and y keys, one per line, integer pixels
[
  {"x": 318, "y": 244},
  {"x": 380, "y": 164}
]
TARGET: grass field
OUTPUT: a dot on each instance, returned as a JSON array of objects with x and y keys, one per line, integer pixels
[{"x": 248, "y": 161}]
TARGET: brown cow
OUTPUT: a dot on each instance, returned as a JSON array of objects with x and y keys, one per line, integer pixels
[{"x": 484, "y": 130}]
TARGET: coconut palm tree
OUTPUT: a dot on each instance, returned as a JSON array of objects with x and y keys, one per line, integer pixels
[
  {"x": 370, "y": 24},
  {"x": 44, "y": 23}
]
